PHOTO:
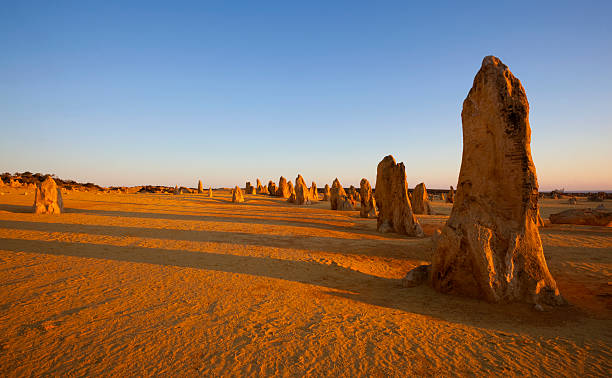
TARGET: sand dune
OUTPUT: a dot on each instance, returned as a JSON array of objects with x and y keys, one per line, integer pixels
[{"x": 146, "y": 284}]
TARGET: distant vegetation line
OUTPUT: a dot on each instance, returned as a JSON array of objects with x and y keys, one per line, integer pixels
[{"x": 33, "y": 178}]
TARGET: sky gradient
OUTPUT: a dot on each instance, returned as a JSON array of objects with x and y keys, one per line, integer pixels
[{"x": 166, "y": 93}]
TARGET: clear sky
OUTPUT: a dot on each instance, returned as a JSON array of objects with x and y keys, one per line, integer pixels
[{"x": 169, "y": 92}]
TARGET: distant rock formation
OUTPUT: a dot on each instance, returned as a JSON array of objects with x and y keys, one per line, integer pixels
[
  {"x": 394, "y": 208},
  {"x": 490, "y": 247},
  {"x": 346, "y": 203},
  {"x": 176, "y": 190},
  {"x": 249, "y": 189},
  {"x": 326, "y": 193},
  {"x": 302, "y": 193},
  {"x": 336, "y": 194},
  {"x": 595, "y": 197},
  {"x": 48, "y": 198},
  {"x": 283, "y": 188},
  {"x": 292, "y": 197},
  {"x": 450, "y": 198},
  {"x": 237, "y": 196},
  {"x": 314, "y": 193},
  {"x": 272, "y": 188},
  {"x": 572, "y": 201},
  {"x": 588, "y": 217},
  {"x": 262, "y": 189},
  {"x": 200, "y": 190},
  {"x": 420, "y": 200},
  {"x": 353, "y": 194},
  {"x": 368, "y": 203},
  {"x": 210, "y": 193}
]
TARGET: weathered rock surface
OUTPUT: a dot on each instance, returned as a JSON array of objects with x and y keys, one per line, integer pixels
[
  {"x": 290, "y": 187},
  {"x": 272, "y": 188},
  {"x": 597, "y": 197},
  {"x": 283, "y": 188},
  {"x": 302, "y": 193},
  {"x": 237, "y": 196},
  {"x": 259, "y": 187},
  {"x": 353, "y": 194},
  {"x": 336, "y": 194},
  {"x": 417, "y": 276},
  {"x": 48, "y": 198},
  {"x": 490, "y": 247},
  {"x": 346, "y": 203},
  {"x": 200, "y": 190},
  {"x": 539, "y": 220},
  {"x": 292, "y": 197},
  {"x": 394, "y": 208},
  {"x": 368, "y": 203},
  {"x": 588, "y": 217},
  {"x": 249, "y": 189},
  {"x": 326, "y": 193},
  {"x": 314, "y": 193},
  {"x": 420, "y": 200},
  {"x": 450, "y": 198}
]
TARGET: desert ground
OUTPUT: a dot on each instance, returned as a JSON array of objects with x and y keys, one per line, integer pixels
[{"x": 157, "y": 284}]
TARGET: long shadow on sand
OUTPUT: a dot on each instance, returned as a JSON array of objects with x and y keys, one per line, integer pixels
[
  {"x": 250, "y": 200},
  {"x": 259, "y": 205},
  {"x": 412, "y": 249},
  {"x": 358, "y": 230},
  {"x": 361, "y": 287},
  {"x": 16, "y": 208},
  {"x": 206, "y": 218},
  {"x": 573, "y": 230}
]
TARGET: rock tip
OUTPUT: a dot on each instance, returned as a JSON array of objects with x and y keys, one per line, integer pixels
[{"x": 492, "y": 60}]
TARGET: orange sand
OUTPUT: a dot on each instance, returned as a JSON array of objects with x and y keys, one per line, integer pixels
[{"x": 144, "y": 284}]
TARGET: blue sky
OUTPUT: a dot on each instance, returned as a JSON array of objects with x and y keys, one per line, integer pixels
[{"x": 165, "y": 93}]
